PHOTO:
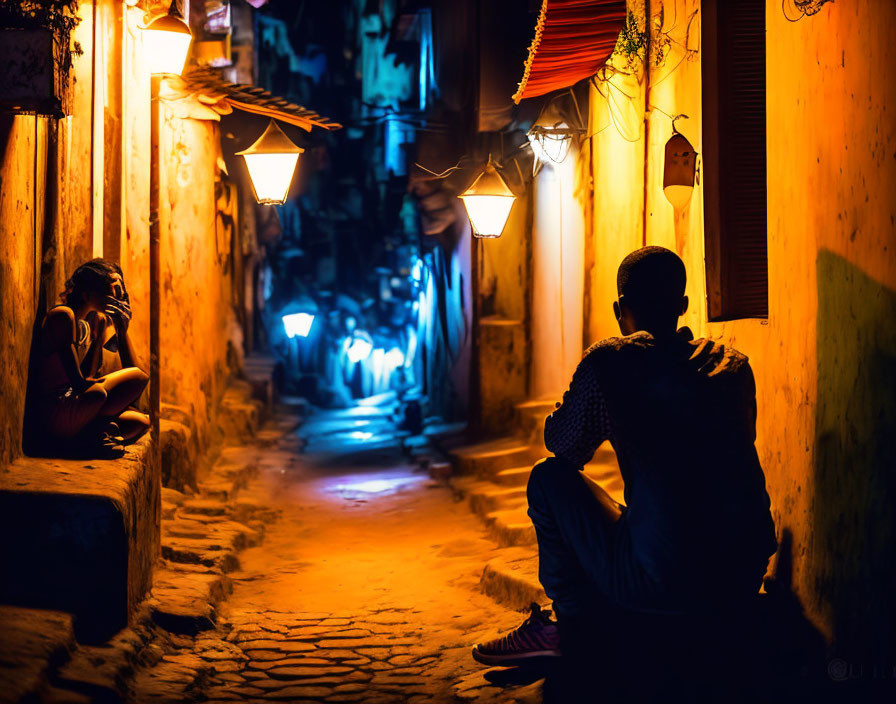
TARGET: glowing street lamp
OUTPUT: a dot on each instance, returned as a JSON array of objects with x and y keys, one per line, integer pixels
[
  {"x": 394, "y": 358},
  {"x": 271, "y": 162},
  {"x": 551, "y": 143},
  {"x": 358, "y": 347},
  {"x": 297, "y": 324},
  {"x": 166, "y": 42},
  {"x": 488, "y": 201}
]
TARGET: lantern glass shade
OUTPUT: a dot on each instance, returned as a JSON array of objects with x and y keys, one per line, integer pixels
[
  {"x": 488, "y": 201},
  {"x": 550, "y": 144},
  {"x": 166, "y": 43},
  {"x": 271, "y": 162},
  {"x": 679, "y": 170}
]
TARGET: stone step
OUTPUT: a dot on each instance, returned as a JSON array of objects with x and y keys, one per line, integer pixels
[
  {"x": 208, "y": 552},
  {"x": 510, "y": 527},
  {"x": 184, "y": 601},
  {"x": 33, "y": 643},
  {"x": 513, "y": 477},
  {"x": 511, "y": 578},
  {"x": 485, "y": 497},
  {"x": 94, "y": 526},
  {"x": 528, "y": 419},
  {"x": 487, "y": 458},
  {"x": 101, "y": 672}
]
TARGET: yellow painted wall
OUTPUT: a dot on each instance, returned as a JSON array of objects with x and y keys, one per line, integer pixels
[
  {"x": 196, "y": 290},
  {"x": 825, "y": 358},
  {"x": 52, "y": 204}
]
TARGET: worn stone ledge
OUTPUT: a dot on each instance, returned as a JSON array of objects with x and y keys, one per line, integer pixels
[
  {"x": 32, "y": 642},
  {"x": 81, "y": 536}
]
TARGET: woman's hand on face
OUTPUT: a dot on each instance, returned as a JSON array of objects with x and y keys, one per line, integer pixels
[{"x": 119, "y": 311}]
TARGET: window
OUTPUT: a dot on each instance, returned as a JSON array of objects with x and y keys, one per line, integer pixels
[{"x": 734, "y": 159}]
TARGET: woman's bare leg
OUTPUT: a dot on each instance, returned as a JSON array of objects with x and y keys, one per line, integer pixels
[
  {"x": 82, "y": 412},
  {"x": 132, "y": 424},
  {"x": 123, "y": 387}
]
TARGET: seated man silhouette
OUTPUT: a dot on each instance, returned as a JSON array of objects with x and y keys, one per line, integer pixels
[{"x": 695, "y": 531}]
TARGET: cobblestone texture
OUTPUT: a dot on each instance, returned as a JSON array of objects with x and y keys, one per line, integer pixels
[{"x": 366, "y": 589}]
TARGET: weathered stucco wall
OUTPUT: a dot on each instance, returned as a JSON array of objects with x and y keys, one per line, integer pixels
[
  {"x": 45, "y": 229},
  {"x": 19, "y": 250},
  {"x": 825, "y": 358},
  {"x": 62, "y": 202},
  {"x": 196, "y": 289}
]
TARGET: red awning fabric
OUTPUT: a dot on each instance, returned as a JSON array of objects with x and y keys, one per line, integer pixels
[{"x": 573, "y": 39}]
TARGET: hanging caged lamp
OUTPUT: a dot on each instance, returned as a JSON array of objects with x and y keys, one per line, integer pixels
[
  {"x": 166, "y": 42},
  {"x": 488, "y": 201},
  {"x": 271, "y": 162}
]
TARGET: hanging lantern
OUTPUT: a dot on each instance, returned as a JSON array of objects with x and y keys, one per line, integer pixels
[
  {"x": 679, "y": 169},
  {"x": 488, "y": 201},
  {"x": 297, "y": 324},
  {"x": 166, "y": 42},
  {"x": 271, "y": 162},
  {"x": 551, "y": 143},
  {"x": 358, "y": 346}
]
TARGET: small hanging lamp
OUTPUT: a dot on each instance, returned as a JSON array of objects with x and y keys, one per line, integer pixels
[
  {"x": 166, "y": 42},
  {"x": 271, "y": 162},
  {"x": 488, "y": 201},
  {"x": 679, "y": 168}
]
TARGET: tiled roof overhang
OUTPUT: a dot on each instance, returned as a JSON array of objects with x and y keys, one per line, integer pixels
[
  {"x": 254, "y": 99},
  {"x": 573, "y": 40}
]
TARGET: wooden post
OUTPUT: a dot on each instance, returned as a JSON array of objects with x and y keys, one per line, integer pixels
[{"x": 155, "y": 311}]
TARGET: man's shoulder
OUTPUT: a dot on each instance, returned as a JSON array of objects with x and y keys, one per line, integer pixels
[
  {"x": 714, "y": 358},
  {"x": 619, "y": 345},
  {"x": 612, "y": 351}
]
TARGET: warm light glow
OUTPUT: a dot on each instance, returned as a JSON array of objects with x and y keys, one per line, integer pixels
[
  {"x": 488, "y": 201},
  {"x": 550, "y": 144},
  {"x": 679, "y": 169},
  {"x": 678, "y": 196},
  {"x": 271, "y": 162},
  {"x": 488, "y": 214},
  {"x": 166, "y": 43},
  {"x": 271, "y": 175},
  {"x": 358, "y": 348},
  {"x": 298, "y": 324}
]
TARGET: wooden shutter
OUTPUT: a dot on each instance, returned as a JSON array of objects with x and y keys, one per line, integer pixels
[{"x": 734, "y": 145}]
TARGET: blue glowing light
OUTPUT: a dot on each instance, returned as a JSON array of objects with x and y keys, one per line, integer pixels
[
  {"x": 394, "y": 358},
  {"x": 297, "y": 324},
  {"x": 358, "y": 348}
]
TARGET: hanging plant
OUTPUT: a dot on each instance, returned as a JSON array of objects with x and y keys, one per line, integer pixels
[
  {"x": 36, "y": 51},
  {"x": 59, "y": 16},
  {"x": 632, "y": 44}
]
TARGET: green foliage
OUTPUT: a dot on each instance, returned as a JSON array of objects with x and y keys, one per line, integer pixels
[{"x": 633, "y": 42}]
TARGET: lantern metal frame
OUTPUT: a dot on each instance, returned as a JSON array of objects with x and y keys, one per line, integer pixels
[
  {"x": 556, "y": 133},
  {"x": 272, "y": 141},
  {"x": 488, "y": 183}
]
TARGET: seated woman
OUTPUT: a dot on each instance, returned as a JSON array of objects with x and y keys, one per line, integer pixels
[{"x": 77, "y": 410}]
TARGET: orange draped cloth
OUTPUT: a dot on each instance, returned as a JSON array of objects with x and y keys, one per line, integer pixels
[{"x": 573, "y": 39}]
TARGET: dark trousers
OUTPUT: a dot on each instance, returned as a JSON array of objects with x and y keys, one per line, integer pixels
[{"x": 585, "y": 561}]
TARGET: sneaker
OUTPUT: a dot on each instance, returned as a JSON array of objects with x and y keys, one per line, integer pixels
[{"x": 537, "y": 637}]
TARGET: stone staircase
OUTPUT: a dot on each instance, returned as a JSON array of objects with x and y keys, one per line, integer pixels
[{"x": 492, "y": 476}]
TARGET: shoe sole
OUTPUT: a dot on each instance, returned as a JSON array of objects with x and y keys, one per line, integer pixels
[{"x": 515, "y": 659}]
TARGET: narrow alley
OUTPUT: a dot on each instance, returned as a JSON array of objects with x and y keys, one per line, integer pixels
[
  {"x": 366, "y": 587},
  {"x": 450, "y": 351}
]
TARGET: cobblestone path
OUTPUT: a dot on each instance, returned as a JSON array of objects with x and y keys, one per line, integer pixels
[{"x": 366, "y": 589}]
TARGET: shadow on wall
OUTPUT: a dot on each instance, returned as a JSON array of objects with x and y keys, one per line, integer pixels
[{"x": 854, "y": 507}]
